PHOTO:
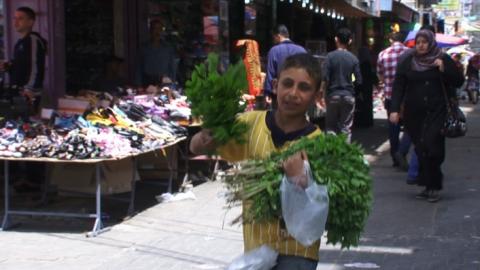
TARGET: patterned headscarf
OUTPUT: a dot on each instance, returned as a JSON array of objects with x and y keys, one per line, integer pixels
[{"x": 422, "y": 62}]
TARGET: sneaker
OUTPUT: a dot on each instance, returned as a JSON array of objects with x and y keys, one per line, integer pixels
[
  {"x": 434, "y": 196},
  {"x": 425, "y": 194},
  {"x": 401, "y": 161}
]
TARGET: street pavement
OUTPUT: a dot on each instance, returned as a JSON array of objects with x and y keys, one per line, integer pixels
[{"x": 402, "y": 233}]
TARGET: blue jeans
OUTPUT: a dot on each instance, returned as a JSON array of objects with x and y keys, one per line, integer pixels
[
  {"x": 413, "y": 166},
  {"x": 404, "y": 148},
  {"x": 404, "y": 145},
  {"x": 286, "y": 262}
]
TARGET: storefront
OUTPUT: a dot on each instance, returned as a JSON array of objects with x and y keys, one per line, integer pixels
[
  {"x": 83, "y": 34},
  {"x": 121, "y": 28}
]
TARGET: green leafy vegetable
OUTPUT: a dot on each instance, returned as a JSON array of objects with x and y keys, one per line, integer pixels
[
  {"x": 216, "y": 98},
  {"x": 334, "y": 163}
]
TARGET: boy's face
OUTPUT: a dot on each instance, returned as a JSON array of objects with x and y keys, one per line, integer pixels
[
  {"x": 21, "y": 22},
  {"x": 295, "y": 91}
]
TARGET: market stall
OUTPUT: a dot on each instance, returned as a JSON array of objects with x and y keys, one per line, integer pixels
[
  {"x": 97, "y": 163},
  {"x": 95, "y": 130}
]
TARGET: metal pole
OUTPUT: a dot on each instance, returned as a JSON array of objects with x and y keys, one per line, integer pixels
[
  {"x": 170, "y": 170},
  {"x": 46, "y": 185},
  {"x": 131, "y": 207},
  {"x": 98, "y": 220},
  {"x": 7, "y": 199}
]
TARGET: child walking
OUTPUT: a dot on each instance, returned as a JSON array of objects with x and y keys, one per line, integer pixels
[{"x": 297, "y": 87}]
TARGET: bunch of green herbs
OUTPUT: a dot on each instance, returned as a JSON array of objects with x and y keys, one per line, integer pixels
[
  {"x": 216, "y": 98},
  {"x": 334, "y": 162}
]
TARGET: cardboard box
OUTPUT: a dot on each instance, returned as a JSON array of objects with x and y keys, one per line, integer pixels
[
  {"x": 72, "y": 105},
  {"x": 116, "y": 177}
]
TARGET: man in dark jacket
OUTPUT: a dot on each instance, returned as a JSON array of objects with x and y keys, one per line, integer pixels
[
  {"x": 337, "y": 85},
  {"x": 27, "y": 68},
  {"x": 276, "y": 56}
]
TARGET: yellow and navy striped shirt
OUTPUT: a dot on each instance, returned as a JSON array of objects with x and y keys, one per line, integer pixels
[{"x": 259, "y": 144}]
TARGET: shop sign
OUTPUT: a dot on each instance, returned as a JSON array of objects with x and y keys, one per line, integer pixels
[{"x": 448, "y": 5}]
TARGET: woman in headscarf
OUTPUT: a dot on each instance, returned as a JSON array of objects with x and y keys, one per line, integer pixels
[{"x": 420, "y": 82}]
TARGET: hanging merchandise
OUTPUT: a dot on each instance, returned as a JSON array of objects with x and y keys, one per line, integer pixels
[{"x": 251, "y": 59}]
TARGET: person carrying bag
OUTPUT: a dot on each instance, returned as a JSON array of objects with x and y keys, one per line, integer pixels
[{"x": 419, "y": 83}]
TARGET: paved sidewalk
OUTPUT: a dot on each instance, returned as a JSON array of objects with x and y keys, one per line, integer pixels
[{"x": 402, "y": 232}]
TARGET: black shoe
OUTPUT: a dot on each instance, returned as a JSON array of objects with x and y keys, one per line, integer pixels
[
  {"x": 412, "y": 181},
  {"x": 425, "y": 194},
  {"x": 434, "y": 196}
]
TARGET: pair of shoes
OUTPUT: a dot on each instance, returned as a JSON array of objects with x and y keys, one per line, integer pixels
[
  {"x": 434, "y": 196},
  {"x": 401, "y": 160},
  {"x": 425, "y": 194},
  {"x": 412, "y": 181}
]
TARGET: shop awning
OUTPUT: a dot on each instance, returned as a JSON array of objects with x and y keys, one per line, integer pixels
[{"x": 344, "y": 7}]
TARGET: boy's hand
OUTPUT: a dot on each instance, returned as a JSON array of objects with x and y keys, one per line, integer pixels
[
  {"x": 439, "y": 63},
  {"x": 4, "y": 66},
  {"x": 394, "y": 118},
  {"x": 294, "y": 169},
  {"x": 202, "y": 142},
  {"x": 322, "y": 103},
  {"x": 29, "y": 94}
]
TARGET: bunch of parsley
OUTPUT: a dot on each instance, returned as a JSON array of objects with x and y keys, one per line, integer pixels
[
  {"x": 334, "y": 162},
  {"x": 216, "y": 98}
]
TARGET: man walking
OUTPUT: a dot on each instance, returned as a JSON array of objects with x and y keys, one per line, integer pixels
[
  {"x": 27, "y": 68},
  {"x": 276, "y": 56},
  {"x": 386, "y": 66},
  {"x": 337, "y": 85}
]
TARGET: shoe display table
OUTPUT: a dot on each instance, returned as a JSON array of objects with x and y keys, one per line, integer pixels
[{"x": 98, "y": 163}]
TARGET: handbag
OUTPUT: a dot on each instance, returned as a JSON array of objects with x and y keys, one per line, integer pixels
[{"x": 455, "y": 124}]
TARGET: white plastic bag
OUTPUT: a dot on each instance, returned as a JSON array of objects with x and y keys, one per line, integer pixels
[
  {"x": 262, "y": 258},
  {"x": 304, "y": 211},
  {"x": 180, "y": 196}
]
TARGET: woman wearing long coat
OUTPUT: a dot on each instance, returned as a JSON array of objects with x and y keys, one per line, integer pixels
[{"x": 420, "y": 82}]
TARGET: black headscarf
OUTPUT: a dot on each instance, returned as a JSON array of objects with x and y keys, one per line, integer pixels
[{"x": 422, "y": 62}]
